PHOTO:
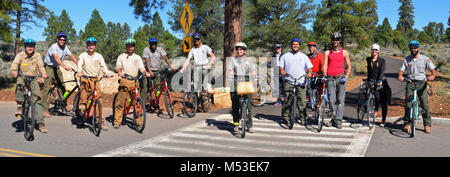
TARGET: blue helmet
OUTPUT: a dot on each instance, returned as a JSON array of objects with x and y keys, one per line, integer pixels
[
  {"x": 29, "y": 42},
  {"x": 296, "y": 40},
  {"x": 197, "y": 36},
  {"x": 61, "y": 34},
  {"x": 91, "y": 40},
  {"x": 153, "y": 40},
  {"x": 414, "y": 44}
]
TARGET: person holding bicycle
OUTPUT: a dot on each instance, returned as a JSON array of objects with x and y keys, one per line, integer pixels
[
  {"x": 296, "y": 64},
  {"x": 152, "y": 60},
  {"x": 127, "y": 63},
  {"x": 200, "y": 54},
  {"x": 29, "y": 63},
  {"x": 333, "y": 68},
  {"x": 415, "y": 66},
  {"x": 240, "y": 68},
  {"x": 375, "y": 73},
  {"x": 91, "y": 64},
  {"x": 316, "y": 59},
  {"x": 53, "y": 60}
]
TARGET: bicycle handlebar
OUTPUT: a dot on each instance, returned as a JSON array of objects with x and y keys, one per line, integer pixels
[{"x": 126, "y": 76}]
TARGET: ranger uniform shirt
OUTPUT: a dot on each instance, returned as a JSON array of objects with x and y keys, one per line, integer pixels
[
  {"x": 92, "y": 65},
  {"x": 415, "y": 69},
  {"x": 155, "y": 57},
  {"x": 29, "y": 66},
  {"x": 130, "y": 64}
]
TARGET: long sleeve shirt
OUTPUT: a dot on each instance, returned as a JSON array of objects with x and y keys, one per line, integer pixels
[
  {"x": 92, "y": 65},
  {"x": 375, "y": 70}
]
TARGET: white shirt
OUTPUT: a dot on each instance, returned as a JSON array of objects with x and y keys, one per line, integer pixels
[{"x": 200, "y": 54}]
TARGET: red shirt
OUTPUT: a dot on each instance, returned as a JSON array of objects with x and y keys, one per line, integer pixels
[
  {"x": 336, "y": 63},
  {"x": 317, "y": 62}
]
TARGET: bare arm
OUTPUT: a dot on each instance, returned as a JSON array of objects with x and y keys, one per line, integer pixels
[
  {"x": 348, "y": 63},
  {"x": 325, "y": 62},
  {"x": 213, "y": 58},
  {"x": 74, "y": 59}
]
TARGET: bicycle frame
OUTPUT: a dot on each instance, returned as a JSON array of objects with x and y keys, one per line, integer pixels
[
  {"x": 133, "y": 97},
  {"x": 166, "y": 87},
  {"x": 91, "y": 101},
  {"x": 414, "y": 100}
]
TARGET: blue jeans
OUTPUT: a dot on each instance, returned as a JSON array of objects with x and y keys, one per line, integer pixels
[{"x": 336, "y": 94}]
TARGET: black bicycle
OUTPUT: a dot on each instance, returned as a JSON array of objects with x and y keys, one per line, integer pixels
[
  {"x": 59, "y": 102},
  {"x": 366, "y": 102},
  {"x": 192, "y": 100},
  {"x": 293, "y": 101},
  {"x": 28, "y": 115}
]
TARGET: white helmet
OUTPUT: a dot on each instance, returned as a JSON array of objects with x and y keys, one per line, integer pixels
[
  {"x": 376, "y": 46},
  {"x": 241, "y": 44}
]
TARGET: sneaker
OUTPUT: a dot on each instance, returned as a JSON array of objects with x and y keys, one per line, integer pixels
[
  {"x": 104, "y": 127},
  {"x": 116, "y": 126},
  {"x": 382, "y": 124},
  {"x": 375, "y": 113},
  {"x": 236, "y": 130},
  {"x": 250, "y": 130},
  {"x": 337, "y": 124},
  {"x": 407, "y": 128},
  {"x": 19, "y": 112},
  {"x": 427, "y": 129},
  {"x": 42, "y": 128}
]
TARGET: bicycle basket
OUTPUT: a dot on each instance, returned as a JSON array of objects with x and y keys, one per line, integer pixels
[{"x": 245, "y": 88}]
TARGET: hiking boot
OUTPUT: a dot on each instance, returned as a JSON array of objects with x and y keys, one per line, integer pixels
[
  {"x": 46, "y": 114},
  {"x": 116, "y": 126},
  {"x": 427, "y": 129},
  {"x": 42, "y": 128},
  {"x": 407, "y": 128},
  {"x": 104, "y": 127},
  {"x": 337, "y": 124}
]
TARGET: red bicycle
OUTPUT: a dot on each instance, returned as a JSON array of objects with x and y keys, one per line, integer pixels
[
  {"x": 134, "y": 102},
  {"x": 156, "y": 95},
  {"x": 92, "y": 102}
]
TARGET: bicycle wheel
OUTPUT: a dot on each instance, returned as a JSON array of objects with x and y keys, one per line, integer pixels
[
  {"x": 190, "y": 105},
  {"x": 97, "y": 118},
  {"x": 139, "y": 112},
  {"x": 361, "y": 111},
  {"x": 205, "y": 98},
  {"x": 293, "y": 112},
  {"x": 370, "y": 112},
  {"x": 414, "y": 114},
  {"x": 259, "y": 98},
  {"x": 29, "y": 120},
  {"x": 168, "y": 103},
  {"x": 114, "y": 105},
  {"x": 243, "y": 122},
  {"x": 55, "y": 104},
  {"x": 321, "y": 116},
  {"x": 76, "y": 105}
]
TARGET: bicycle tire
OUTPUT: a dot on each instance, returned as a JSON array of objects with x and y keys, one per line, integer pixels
[
  {"x": 190, "y": 107},
  {"x": 360, "y": 108},
  {"x": 414, "y": 114},
  {"x": 370, "y": 112},
  {"x": 321, "y": 116},
  {"x": 56, "y": 101},
  {"x": 29, "y": 120},
  {"x": 205, "y": 100},
  {"x": 76, "y": 105},
  {"x": 168, "y": 103},
  {"x": 293, "y": 112},
  {"x": 114, "y": 105},
  {"x": 139, "y": 104},
  {"x": 243, "y": 122},
  {"x": 97, "y": 115},
  {"x": 259, "y": 98}
]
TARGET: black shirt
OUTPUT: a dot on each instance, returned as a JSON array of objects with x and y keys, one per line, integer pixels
[{"x": 375, "y": 70}]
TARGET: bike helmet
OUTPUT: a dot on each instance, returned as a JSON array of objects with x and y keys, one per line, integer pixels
[
  {"x": 241, "y": 45},
  {"x": 29, "y": 42},
  {"x": 197, "y": 36},
  {"x": 153, "y": 40},
  {"x": 130, "y": 41},
  {"x": 312, "y": 44},
  {"x": 336, "y": 36},
  {"x": 91, "y": 40},
  {"x": 296, "y": 40},
  {"x": 61, "y": 34},
  {"x": 414, "y": 44}
]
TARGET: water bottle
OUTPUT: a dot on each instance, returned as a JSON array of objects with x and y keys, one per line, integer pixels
[
  {"x": 157, "y": 93},
  {"x": 66, "y": 94}
]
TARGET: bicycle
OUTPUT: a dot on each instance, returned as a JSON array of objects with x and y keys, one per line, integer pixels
[
  {"x": 29, "y": 119},
  {"x": 156, "y": 95},
  {"x": 60, "y": 102},
  {"x": 262, "y": 92},
  {"x": 366, "y": 102},
  {"x": 135, "y": 102},
  {"x": 83, "y": 115},
  {"x": 414, "y": 111},
  {"x": 293, "y": 101},
  {"x": 322, "y": 100},
  {"x": 192, "y": 99},
  {"x": 244, "y": 88}
]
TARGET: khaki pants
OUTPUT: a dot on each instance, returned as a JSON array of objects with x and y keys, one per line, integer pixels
[
  {"x": 35, "y": 98},
  {"x": 53, "y": 74},
  {"x": 126, "y": 88},
  {"x": 87, "y": 85}
]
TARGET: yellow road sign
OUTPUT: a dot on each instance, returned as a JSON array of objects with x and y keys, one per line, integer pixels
[
  {"x": 186, "y": 19},
  {"x": 187, "y": 45}
]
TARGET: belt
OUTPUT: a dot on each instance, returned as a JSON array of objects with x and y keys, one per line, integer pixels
[
  {"x": 335, "y": 77},
  {"x": 54, "y": 67}
]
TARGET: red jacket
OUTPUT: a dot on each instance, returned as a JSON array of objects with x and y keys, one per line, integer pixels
[{"x": 317, "y": 62}]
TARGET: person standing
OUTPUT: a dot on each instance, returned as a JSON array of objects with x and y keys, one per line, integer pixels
[
  {"x": 333, "y": 68},
  {"x": 296, "y": 64},
  {"x": 53, "y": 60},
  {"x": 275, "y": 60},
  {"x": 414, "y": 67}
]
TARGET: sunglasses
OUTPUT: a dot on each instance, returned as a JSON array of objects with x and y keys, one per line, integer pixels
[{"x": 62, "y": 40}]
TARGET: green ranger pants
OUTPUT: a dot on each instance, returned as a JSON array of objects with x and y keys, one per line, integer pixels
[
  {"x": 35, "y": 98},
  {"x": 53, "y": 74},
  {"x": 146, "y": 84},
  {"x": 301, "y": 101},
  {"x": 422, "y": 97}
]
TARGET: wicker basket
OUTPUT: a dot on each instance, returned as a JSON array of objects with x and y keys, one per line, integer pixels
[{"x": 245, "y": 88}]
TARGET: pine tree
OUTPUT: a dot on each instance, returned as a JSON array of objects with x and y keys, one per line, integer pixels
[
  {"x": 406, "y": 13},
  {"x": 96, "y": 27},
  {"x": 6, "y": 6},
  {"x": 383, "y": 33},
  {"x": 56, "y": 24}
]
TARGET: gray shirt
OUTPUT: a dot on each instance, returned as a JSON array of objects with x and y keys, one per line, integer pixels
[
  {"x": 415, "y": 69},
  {"x": 296, "y": 66},
  {"x": 62, "y": 52},
  {"x": 155, "y": 57},
  {"x": 241, "y": 66}
]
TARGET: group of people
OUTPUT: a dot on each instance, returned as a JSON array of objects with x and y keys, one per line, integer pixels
[{"x": 293, "y": 64}]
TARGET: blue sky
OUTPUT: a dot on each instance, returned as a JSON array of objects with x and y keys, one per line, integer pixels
[{"x": 119, "y": 11}]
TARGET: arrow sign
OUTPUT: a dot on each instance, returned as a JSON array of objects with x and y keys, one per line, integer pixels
[
  {"x": 186, "y": 18},
  {"x": 187, "y": 44}
]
